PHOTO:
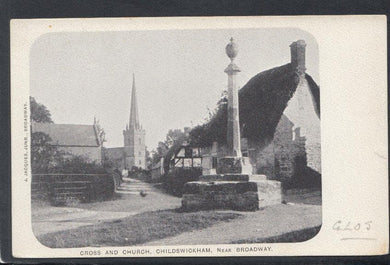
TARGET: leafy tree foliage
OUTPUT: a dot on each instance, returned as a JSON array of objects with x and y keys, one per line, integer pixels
[
  {"x": 215, "y": 127},
  {"x": 149, "y": 159},
  {"x": 173, "y": 138},
  {"x": 262, "y": 101},
  {"x": 160, "y": 151},
  {"x": 107, "y": 160},
  {"x": 39, "y": 112}
]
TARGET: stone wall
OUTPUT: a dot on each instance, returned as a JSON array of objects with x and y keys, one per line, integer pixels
[
  {"x": 284, "y": 149},
  {"x": 263, "y": 159},
  {"x": 278, "y": 159},
  {"x": 314, "y": 156},
  {"x": 296, "y": 142},
  {"x": 301, "y": 112}
]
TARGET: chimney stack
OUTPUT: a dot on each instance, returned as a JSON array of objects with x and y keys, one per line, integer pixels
[{"x": 298, "y": 56}]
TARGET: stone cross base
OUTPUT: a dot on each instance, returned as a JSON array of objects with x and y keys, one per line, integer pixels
[
  {"x": 211, "y": 195},
  {"x": 225, "y": 177},
  {"x": 229, "y": 164},
  {"x": 270, "y": 191},
  {"x": 240, "y": 192}
]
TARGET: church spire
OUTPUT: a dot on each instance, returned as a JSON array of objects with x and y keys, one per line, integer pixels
[
  {"x": 134, "y": 120},
  {"x": 134, "y": 137}
]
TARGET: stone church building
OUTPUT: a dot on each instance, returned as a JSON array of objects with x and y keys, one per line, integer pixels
[
  {"x": 133, "y": 152},
  {"x": 74, "y": 139},
  {"x": 279, "y": 122}
]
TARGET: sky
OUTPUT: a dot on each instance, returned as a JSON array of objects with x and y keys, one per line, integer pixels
[{"x": 179, "y": 74}]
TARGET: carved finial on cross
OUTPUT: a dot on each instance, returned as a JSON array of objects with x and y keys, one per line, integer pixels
[{"x": 232, "y": 49}]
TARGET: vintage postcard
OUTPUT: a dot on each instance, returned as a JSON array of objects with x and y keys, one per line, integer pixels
[{"x": 199, "y": 136}]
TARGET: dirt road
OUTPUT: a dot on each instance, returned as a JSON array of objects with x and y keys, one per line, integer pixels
[{"x": 127, "y": 201}]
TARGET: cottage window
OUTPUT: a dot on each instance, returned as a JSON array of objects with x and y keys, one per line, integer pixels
[
  {"x": 186, "y": 157},
  {"x": 178, "y": 162},
  {"x": 197, "y": 162},
  {"x": 187, "y": 162}
]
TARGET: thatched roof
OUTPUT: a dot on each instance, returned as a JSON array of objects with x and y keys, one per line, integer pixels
[{"x": 262, "y": 102}]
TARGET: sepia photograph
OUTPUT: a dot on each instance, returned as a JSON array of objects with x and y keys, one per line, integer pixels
[{"x": 178, "y": 137}]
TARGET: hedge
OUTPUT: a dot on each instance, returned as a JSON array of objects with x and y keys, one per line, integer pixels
[{"x": 174, "y": 180}]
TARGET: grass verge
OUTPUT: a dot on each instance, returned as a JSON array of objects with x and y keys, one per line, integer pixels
[
  {"x": 136, "y": 229},
  {"x": 295, "y": 236}
]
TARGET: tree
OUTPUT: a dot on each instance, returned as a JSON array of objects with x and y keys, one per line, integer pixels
[
  {"x": 39, "y": 112},
  {"x": 173, "y": 140},
  {"x": 107, "y": 161},
  {"x": 160, "y": 151},
  {"x": 174, "y": 137},
  {"x": 215, "y": 127},
  {"x": 44, "y": 156},
  {"x": 149, "y": 159}
]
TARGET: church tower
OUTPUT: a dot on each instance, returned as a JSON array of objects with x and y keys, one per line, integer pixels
[{"x": 134, "y": 137}]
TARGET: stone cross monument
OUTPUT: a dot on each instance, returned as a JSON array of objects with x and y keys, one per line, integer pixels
[
  {"x": 233, "y": 126},
  {"x": 229, "y": 188},
  {"x": 232, "y": 163}
]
